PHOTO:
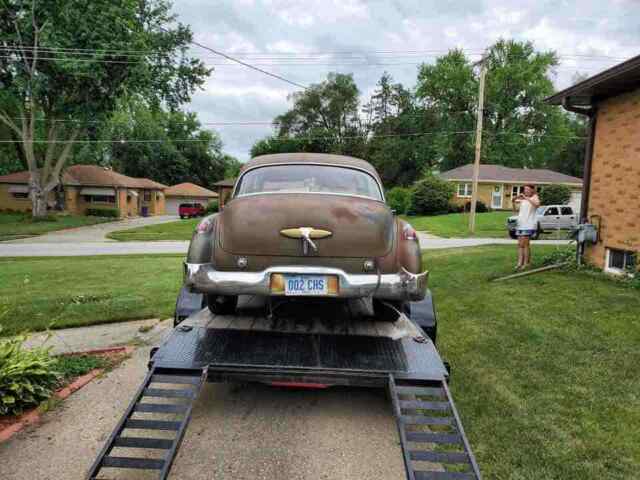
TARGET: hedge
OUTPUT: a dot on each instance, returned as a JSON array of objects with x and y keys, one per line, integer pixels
[{"x": 103, "y": 212}]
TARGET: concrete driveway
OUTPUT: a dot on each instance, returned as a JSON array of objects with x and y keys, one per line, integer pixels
[
  {"x": 237, "y": 432},
  {"x": 93, "y": 233}
]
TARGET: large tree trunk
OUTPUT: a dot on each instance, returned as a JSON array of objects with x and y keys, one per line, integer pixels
[{"x": 39, "y": 202}]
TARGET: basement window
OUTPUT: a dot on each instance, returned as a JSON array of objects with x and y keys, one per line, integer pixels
[
  {"x": 20, "y": 195},
  {"x": 620, "y": 261}
]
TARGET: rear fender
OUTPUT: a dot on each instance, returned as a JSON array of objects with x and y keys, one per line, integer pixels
[
  {"x": 201, "y": 246},
  {"x": 409, "y": 254}
]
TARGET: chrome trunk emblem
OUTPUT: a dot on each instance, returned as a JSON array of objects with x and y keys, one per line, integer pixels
[{"x": 306, "y": 234}]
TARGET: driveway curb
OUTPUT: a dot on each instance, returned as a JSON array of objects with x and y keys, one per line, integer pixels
[{"x": 33, "y": 416}]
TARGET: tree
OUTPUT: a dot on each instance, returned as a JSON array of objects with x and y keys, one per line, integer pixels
[
  {"x": 449, "y": 90},
  {"x": 68, "y": 61},
  {"x": 555, "y": 195},
  {"x": 324, "y": 118},
  {"x": 167, "y": 146}
]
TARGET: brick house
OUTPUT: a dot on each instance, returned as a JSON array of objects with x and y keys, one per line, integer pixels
[
  {"x": 497, "y": 184},
  {"x": 88, "y": 186},
  {"x": 611, "y": 195}
]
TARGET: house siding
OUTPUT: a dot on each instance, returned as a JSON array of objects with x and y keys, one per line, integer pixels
[{"x": 615, "y": 177}]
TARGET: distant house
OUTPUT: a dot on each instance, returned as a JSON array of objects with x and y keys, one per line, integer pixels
[
  {"x": 224, "y": 189},
  {"x": 187, "y": 193},
  {"x": 611, "y": 198},
  {"x": 498, "y": 185},
  {"x": 88, "y": 186}
]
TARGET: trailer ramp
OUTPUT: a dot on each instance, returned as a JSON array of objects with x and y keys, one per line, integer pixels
[
  {"x": 434, "y": 445},
  {"x": 164, "y": 392}
]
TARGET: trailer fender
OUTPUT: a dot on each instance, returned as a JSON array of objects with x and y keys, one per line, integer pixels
[{"x": 423, "y": 313}]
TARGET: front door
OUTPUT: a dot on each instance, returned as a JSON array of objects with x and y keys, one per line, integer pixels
[{"x": 496, "y": 197}]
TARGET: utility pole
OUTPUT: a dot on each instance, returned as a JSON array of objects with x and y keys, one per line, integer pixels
[{"x": 476, "y": 163}]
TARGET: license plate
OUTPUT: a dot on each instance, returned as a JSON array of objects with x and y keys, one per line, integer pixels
[{"x": 309, "y": 285}]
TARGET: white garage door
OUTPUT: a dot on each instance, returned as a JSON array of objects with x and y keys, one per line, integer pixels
[
  {"x": 171, "y": 204},
  {"x": 576, "y": 200}
]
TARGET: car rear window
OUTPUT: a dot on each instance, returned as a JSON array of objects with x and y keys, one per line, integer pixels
[{"x": 308, "y": 179}]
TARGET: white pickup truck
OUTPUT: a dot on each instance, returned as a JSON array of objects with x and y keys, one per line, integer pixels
[{"x": 548, "y": 218}]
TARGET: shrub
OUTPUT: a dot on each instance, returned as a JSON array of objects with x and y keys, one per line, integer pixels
[
  {"x": 455, "y": 208},
  {"x": 431, "y": 196},
  {"x": 555, "y": 195},
  {"x": 27, "y": 377},
  {"x": 212, "y": 208},
  {"x": 103, "y": 212},
  {"x": 400, "y": 199},
  {"x": 481, "y": 207}
]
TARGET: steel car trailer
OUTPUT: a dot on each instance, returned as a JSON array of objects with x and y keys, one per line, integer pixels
[{"x": 259, "y": 349}]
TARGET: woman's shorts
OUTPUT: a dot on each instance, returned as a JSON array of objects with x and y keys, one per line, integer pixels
[{"x": 525, "y": 233}]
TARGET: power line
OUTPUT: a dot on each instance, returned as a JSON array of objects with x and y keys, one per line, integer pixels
[{"x": 248, "y": 65}]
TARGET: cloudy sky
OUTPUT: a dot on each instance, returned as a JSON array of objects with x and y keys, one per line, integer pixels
[{"x": 303, "y": 40}]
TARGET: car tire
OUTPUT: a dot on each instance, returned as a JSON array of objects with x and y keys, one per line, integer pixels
[
  {"x": 181, "y": 217},
  {"x": 222, "y": 304},
  {"x": 512, "y": 234}
]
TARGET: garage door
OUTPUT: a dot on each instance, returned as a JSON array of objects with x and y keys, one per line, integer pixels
[{"x": 172, "y": 204}]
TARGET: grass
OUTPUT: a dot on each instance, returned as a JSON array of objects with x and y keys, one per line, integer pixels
[
  {"x": 491, "y": 224},
  {"x": 19, "y": 225},
  {"x": 57, "y": 292},
  {"x": 180, "y": 230},
  {"x": 544, "y": 368},
  {"x": 72, "y": 366}
]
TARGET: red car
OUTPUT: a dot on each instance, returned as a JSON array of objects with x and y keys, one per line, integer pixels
[{"x": 188, "y": 210}]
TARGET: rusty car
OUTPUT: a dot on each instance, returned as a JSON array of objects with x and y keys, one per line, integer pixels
[{"x": 306, "y": 225}]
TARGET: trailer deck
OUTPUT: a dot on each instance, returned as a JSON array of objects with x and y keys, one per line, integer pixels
[{"x": 291, "y": 349}]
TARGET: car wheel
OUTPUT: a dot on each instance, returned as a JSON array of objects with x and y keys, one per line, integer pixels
[
  {"x": 181, "y": 217},
  {"x": 512, "y": 234},
  {"x": 222, "y": 304}
]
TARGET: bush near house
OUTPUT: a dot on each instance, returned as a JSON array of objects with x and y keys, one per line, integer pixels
[
  {"x": 103, "y": 212},
  {"x": 213, "y": 207},
  {"x": 555, "y": 195},
  {"x": 481, "y": 207},
  {"x": 400, "y": 199},
  {"x": 431, "y": 196}
]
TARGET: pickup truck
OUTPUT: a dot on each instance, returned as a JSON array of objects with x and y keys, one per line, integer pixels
[
  {"x": 188, "y": 210},
  {"x": 548, "y": 218}
]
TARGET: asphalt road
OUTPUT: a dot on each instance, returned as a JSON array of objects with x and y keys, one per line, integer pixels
[{"x": 237, "y": 432}]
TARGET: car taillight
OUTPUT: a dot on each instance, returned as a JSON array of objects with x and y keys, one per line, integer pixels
[
  {"x": 204, "y": 226},
  {"x": 409, "y": 233}
]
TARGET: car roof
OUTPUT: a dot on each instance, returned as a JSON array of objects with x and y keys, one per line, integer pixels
[{"x": 319, "y": 158}]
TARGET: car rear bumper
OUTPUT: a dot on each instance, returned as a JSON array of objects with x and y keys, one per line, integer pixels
[{"x": 404, "y": 285}]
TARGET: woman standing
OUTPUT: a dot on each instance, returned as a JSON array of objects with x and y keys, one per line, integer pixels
[{"x": 527, "y": 225}]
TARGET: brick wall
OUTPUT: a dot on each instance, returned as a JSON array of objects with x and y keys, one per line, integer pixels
[{"x": 615, "y": 176}]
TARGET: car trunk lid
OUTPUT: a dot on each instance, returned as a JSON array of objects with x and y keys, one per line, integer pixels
[{"x": 359, "y": 227}]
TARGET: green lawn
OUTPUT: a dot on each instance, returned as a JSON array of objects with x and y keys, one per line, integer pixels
[
  {"x": 180, "y": 230},
  {"x": 491, "y": 224},
  {"x": 37, "y": 293},
  {"x": 18, "y": 225},
  {"x": 544, "y": 368}
]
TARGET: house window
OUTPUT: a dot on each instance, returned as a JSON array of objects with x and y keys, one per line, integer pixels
[
  {"x": 464, "y": 189},
  {"x": 517, "y": 190},
  {"x": 147, "y": 196},
  {"x": 620, "y": 261},
  {"x": 99, "y": 198},
  {"x": 20, "y": 195}
]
